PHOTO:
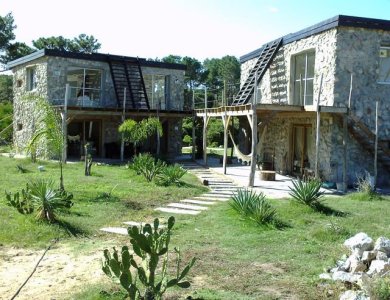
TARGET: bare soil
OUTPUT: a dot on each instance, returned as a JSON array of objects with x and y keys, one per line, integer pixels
[{"x": 63, "y": 271}]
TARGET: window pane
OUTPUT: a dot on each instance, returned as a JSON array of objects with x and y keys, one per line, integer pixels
[
  {"x": 310, "y": 65},
  {"x": 297, "y": 93},
  {"x": 93, "y": 79},
  {"x": 309, "y": 92},
  {"x": 299, "y": 66},
  {"x": 384, "y": 65}
]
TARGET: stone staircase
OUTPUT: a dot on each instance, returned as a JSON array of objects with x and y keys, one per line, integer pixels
[{"x": 221, "y": 190}]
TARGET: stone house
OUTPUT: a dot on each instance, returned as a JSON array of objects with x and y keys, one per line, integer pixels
[
  {"x": 98, "y": 88},
  {"x": 334, "y": 71}
]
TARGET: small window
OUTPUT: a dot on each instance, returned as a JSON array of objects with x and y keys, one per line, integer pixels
[
  {"x": 31, "y": 79},
  {"x": 19, "y": 126},
  {"x": 384, "y": 65},
  {"x": 19, "y": 83},
  {"x": 303, "y": 77}
]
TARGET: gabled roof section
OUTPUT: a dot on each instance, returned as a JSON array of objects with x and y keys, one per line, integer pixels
[
  {"x": 93, "y": 57},
  {"x": 337, "y": 21}
]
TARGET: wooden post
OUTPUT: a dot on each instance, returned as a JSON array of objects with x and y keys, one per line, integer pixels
[
  {"x": 350, "y": 92},
  {"x": 376, "y": 144},
  {"x": 65, "y": 125},
  {"x": 345, "y": 153},
  {"x": 158, "y": 133},
  {"x": 123, "y": 119},
  {"x": 193, "y": 125},
  {"x": 205, "y": 121},
  {"x": 317, "y": 171},
  {"x": 225, "y": 121},
  {"x": 254, "y": 137}
]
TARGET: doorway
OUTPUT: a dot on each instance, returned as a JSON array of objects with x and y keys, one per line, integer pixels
[
  {"x": 82, "y": 132},
  {"x": 302, "y": 144}
]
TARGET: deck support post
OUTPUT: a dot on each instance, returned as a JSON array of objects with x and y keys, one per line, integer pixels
[
  {"x": 345, "y": 137},
  {"x": 376, "y": 144},
  {"x": 65, "y": 125},
  {"x": 318, "y": 123},
  {"x": 205, "y": 121},
  {"x": 254, "y": 136},
  {"x": 225, "y": 122}
]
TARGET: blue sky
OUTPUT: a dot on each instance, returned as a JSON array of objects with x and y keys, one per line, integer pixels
[{"x": 197, "y": 28}]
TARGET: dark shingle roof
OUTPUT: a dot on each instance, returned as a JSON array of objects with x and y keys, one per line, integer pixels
[
  {"x": 337, "y": 21},
  {"x": 94, "y": 57}
]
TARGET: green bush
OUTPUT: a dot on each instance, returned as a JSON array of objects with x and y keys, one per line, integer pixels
[
  {"x": 138, "y": 275},
  {"x": 379, "y": 288},
  {"x": 41, "y": 197},
  {"x": 187, "y": 140},
  {"x": 6, "y": 123},
  {"x": 147, "y": 166},
  {"x": 254, "y": 206},
  {"x": 170, "y": 175},
  {"x": 307, "y": 192}
]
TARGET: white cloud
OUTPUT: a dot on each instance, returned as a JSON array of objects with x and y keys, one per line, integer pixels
[{"x": 273, "y": 9}]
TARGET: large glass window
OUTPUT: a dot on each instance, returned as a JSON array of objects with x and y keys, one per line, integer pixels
[
  {"x": 303, "y": 77},
  {"x": 32, "y": 79},
  {"x": 85, "y": 85},
  {"x": 384, "y": 65},
  {"x": 156, "y": 89}
]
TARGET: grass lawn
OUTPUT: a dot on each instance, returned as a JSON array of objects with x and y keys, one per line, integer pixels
[
  {"x": 131, "y": 199},
  {"x": 240, "y": 260},
  {"x": 237, "y": 259}
]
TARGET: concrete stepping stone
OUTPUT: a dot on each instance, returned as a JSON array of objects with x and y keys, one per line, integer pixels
[
  {"x": 187, "y": 206},
  {"x": 215, "y": 195},
  {"x": 202, "y": 202},
  {"x": 118, "y": 230},
  {"x": 211, "y": 199},
  {"x": 173, "y": 210},
  {"x": 139, "y": 224}
]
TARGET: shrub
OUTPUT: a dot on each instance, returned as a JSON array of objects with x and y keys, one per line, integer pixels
[
  {"x": 366, "y": 191},
  {"x": 254, "y": 206},
  {"x": 187, "y": 140},
  {"x": 170, "y": 175},
  {"x": 149, "y": 246},
  {"x": 147, "y": 166},
  {"x": 40, "y": 196},
  {"x": 379, "y": 288},
  {"x": 307, "y": 192}
]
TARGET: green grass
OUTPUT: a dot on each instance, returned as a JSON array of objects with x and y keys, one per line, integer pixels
[
  {"x": 112, "y": 194},
  {"x": 240, "y": 260}
]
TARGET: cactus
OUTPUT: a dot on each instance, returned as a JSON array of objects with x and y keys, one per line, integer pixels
[
  {"x": 150, "y": 244},
  {"x": 21, "y": 201}
]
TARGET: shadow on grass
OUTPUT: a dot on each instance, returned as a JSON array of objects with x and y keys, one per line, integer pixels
[
  {"x": 70, "y": 229},
  {"x": 281, "y": 225},
  {"x": 329, "y": 211}
]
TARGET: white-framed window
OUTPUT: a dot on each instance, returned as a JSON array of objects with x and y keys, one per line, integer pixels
[
  {"x": 85, "y": 84},
  {"x": 155, "y": 86},
  {"x": 31, "y": 78},
  {"x": 384, "y": 65},
  {"x": 303, "y": 78}
]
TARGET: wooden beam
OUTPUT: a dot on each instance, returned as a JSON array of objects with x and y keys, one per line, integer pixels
[
  {"x": 317, "y": 171},
  {"x": 345, "y": 153},
  {"x": 376, "y": 144},
  {"x": 225, "y": 121},
  {"x": 254, "y": 143},
  {"x": 65, "y": 125}
]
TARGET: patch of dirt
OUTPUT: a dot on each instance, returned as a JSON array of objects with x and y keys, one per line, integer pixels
[{"x": 61, "y": 272}]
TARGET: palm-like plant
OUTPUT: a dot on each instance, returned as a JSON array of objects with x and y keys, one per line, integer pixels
[
  {"x": 49, "y": 131},
  {"x": 46, "y": 200},
  {"x": 307, "y": 192}
]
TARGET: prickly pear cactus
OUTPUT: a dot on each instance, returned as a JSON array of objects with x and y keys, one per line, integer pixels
[{"x": 150, "y": 244}]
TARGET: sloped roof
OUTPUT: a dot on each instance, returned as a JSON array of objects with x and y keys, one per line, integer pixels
[
  {"x": 93, "y": 57},
  {"x": 337, "y": 21}
]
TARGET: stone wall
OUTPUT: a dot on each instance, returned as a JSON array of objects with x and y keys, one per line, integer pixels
[
  {"x": 24, "y": 104},
  {"x": 276, "y": 85},
  {"x": 358, "y": 52},
  {"x": 174, "y": 137}
]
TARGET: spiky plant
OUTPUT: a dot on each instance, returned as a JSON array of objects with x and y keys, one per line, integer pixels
[{"x": 307, "y": 192}]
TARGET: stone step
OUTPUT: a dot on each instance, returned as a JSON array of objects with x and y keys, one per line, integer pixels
[
  {"x": 172, "y": 210},
  {"x": 193, "y": 201},
  {"x": 187, "y": 206},
  {"x": 118, "y": 230},
  {"x": 215, "y": 195},
  {"x": 211, "y": 199},
  {"x": 139, "y": 224}
]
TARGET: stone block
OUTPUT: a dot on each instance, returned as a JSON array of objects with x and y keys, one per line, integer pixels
[
  {"x": 383, "y": 244},
  {"x": 359, "y": 243}
]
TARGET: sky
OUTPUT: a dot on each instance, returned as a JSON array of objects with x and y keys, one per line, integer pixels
[{"x": 198, "y": 28}]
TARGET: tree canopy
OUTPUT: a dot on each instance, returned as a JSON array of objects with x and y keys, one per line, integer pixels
[{"x": 10, "y": 50}]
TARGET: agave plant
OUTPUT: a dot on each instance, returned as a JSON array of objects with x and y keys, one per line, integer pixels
[
  {"x": 307, "y": 192},
  {"x": 170, "y": 175},
  {"x": 253, "y": 205},
  {"x": 46, "y": 200}
]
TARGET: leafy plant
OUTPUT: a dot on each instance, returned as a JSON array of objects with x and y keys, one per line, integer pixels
[
  {"x": 307, "y": 192},
  {"x": 140, "y": 279},
  {"x": 366, "y": 191},
  {"x": 40, "y": 196},
  {"x": 21, "y": 201},
  {"x": 147, "y": 166},
  {"x": 170, "y": 175},
  {"x": 379, "y": 288},
  {"x": 137, "y": 132},
  {"x": 21, "y": 169},
  {"x": 253, "y": 205}
]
